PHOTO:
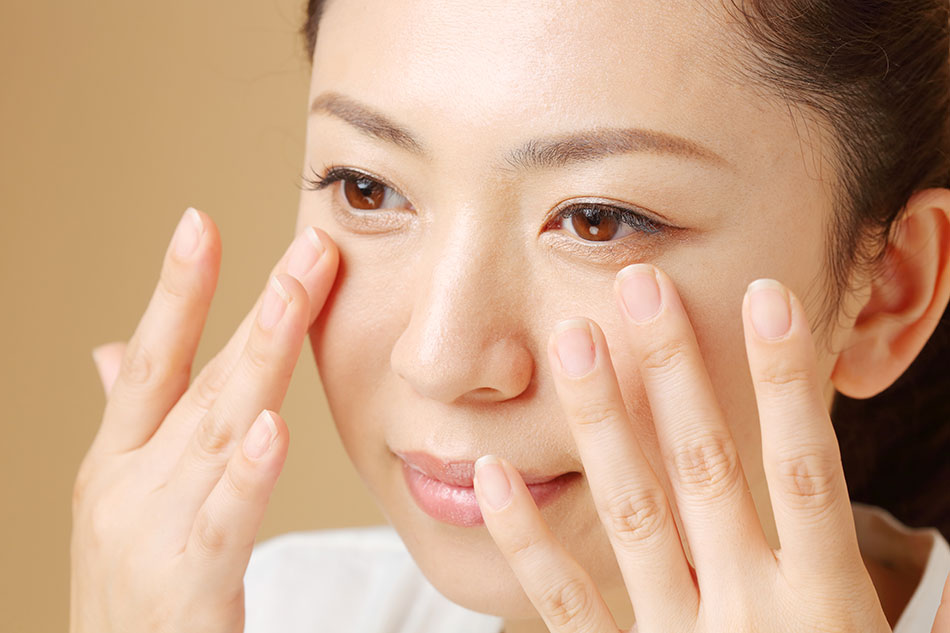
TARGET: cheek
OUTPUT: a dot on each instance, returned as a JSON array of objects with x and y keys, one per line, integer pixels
[{"x": 352, "y": 339}]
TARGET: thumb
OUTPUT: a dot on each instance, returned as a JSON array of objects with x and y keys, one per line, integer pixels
[{"x": 108, "y": 360}]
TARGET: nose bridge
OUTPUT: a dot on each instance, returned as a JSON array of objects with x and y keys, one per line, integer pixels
[{"x": 465, "y": 340}]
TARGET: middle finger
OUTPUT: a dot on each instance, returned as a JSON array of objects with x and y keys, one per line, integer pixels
[{"x": 711, "y": 493}]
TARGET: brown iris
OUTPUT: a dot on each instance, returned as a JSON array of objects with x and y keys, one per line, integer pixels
[
  {"x": 594, "y": 225},
  {"x": 364, "y": 193}
]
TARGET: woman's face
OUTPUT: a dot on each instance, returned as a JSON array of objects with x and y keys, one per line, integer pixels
[{"x": 482, "y": 123}]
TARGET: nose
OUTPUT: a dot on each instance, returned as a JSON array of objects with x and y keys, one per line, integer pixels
[{"x": 467, "y": 338}]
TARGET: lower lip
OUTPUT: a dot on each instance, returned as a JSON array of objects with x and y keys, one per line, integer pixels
[{"x": 457, "y": 505}]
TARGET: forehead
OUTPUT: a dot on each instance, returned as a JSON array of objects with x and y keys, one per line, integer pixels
[{"x": 511, "y": 69}]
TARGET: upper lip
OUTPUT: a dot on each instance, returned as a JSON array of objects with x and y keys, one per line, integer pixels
[{"x": 457, "y": 472}]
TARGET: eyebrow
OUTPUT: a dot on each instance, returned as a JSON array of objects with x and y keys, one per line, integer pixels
[{"x": 545, "y": 153}]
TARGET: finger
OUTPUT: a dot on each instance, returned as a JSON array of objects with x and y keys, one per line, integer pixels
[
  {"x": 942, "y": 621},
  {"x": 629, "y": 498},
  {"x": 558, "y": 587},
  {"x": 156, "y": 366},
  {"x": 312, "y": 259},
  {"x": 259, "y": 381},
  {"x": 226, "y": 525},
  {"x": 108, "y": 360},
  {"x": 800, "y": 454},
  {"x": 711, "y": 493}
]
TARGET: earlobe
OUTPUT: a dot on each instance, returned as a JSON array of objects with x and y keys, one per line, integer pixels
[{"x": 908, "y": 296}]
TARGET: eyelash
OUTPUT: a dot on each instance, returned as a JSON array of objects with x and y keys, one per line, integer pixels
[{"x": 634, "y": 220}]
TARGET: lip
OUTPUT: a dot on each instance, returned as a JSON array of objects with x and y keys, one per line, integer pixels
[{"x": 444, "y": 489}]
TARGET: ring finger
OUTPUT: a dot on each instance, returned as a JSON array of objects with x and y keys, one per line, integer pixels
[{"x": 711, "y": 494}]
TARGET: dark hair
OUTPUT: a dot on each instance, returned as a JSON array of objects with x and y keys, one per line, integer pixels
[{"x": 876, "y": 73}]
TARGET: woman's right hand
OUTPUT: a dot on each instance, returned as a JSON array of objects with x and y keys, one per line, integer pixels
[{"x": 170, "y": 496}]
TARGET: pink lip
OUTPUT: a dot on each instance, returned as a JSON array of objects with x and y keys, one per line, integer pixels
[{"x": 444, "y": 490}]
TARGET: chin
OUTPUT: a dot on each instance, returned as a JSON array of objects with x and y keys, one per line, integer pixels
[{"x": 464, "y": 564}]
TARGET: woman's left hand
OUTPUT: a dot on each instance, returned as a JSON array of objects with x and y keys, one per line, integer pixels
[{"x": 815, "y": 582}]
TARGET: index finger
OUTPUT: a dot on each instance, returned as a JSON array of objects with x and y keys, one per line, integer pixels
[{"x": 630, "y": 499}]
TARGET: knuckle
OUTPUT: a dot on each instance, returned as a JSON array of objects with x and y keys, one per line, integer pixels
[
  {"x": 568, "y": 603},
  {"x": 781, "y": 378},
  {"x": 139, "y": 365},
  {"x": 209, "y": 536},
  {"x": 209, "y": 385},
  {"x": 258, "y": 354},
  {"x": 173, "y": 288},
  {"x": 708, "y": 466},
  {"x": 594, "y": 413},
  {"x": 144, "y": 369},
  {"x": 663, "y": 355},
  {"x": 636, "y": 516},
  {"x": 524, "y": 550},
  {"x": 809, "y": 479},
  {"x": 238, "y": 484},
  {"x": 213, "y": 437}
]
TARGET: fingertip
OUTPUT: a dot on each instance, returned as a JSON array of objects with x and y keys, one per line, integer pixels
[
  {"x": 299, "y": 297},
  {"x": 330, "y": 247},
  {"x": 211, "y": 237},
  {"x": 281, "y": 432},
  {"x": 266, "y": 437},
  {"x": 197, "y": 255},
  {"x": 493, "y": 483}
]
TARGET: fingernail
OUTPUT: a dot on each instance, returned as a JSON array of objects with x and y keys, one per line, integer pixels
[
  {"x": 575, "y": 347},
  {"x": 260, "y": 436},
  {"x": 639, "y": 291},
  {"x": 769, "y": 309},
  {"x": 188, "y": 234},
  {"x": 274, "y": 304},
  {"x": 492, "y": 482},
  {"x": 304, "y": 253}
]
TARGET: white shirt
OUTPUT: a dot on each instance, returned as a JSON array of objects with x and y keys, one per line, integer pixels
[{"x": 363, "y": 580}]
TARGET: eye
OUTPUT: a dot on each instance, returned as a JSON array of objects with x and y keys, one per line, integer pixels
[
  {"x": 598, "y": 222},
  {"x": 360, "y": 190}
]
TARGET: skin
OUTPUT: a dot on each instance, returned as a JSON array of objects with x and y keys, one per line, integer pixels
[
  {"x": 454, "y": 346},
  {"x": 425, "y": 340}
]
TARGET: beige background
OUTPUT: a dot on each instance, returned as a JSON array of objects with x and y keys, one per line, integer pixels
[{"x": 116, "y": 115}]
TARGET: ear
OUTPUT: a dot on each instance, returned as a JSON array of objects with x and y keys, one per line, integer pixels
[{"x": 907, "y": 299}]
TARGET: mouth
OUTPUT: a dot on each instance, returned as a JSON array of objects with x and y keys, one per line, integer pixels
[{"x": 444, "y": 489}]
